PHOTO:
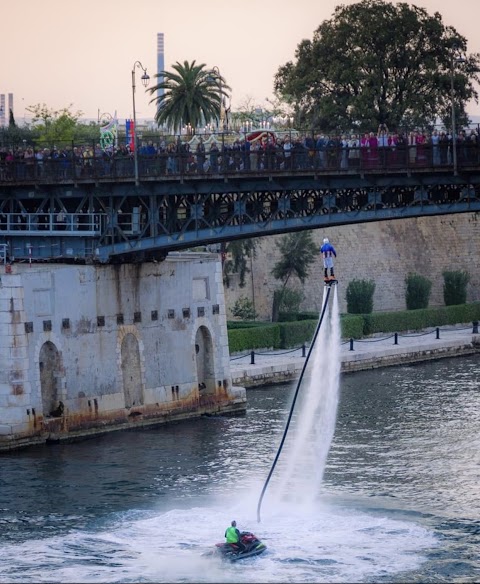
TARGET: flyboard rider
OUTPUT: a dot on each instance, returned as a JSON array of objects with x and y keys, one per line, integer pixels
[{"x": 328, "y": 253}]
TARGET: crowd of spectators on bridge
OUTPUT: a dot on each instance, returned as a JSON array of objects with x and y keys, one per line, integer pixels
[{"x": 212, "y": 154}]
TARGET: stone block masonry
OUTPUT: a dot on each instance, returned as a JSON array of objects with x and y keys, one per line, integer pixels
[
  {"x": 384, "y": 252},
  {"x": 90, "y": 349}
]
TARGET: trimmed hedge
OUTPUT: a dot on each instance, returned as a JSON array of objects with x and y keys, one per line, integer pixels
[
  {"x": 422, "y": 318},
  {"x": 294, "y": 334},
  {"x": 286, "y": 335},
  {"x": 249, "y": 338},
  {"x": 352, "y": 326},
  {"x": 240, "y": 324},
  {"x": 292, "y": 316}
]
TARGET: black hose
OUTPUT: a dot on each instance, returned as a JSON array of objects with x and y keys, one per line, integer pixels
[{"x": 293, "y": 404}]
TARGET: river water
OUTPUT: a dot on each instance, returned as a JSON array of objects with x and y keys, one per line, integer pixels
[{"x": 399, "y": 500}]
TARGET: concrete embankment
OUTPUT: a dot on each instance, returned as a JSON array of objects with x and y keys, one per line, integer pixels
[{"x": 277, "y": 367}]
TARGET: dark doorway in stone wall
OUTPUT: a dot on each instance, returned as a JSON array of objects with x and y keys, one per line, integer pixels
[
  {"x": 204, "y": 361},
  {"x": 50, "y": 366},
  {"x": 131, "y": 371}
]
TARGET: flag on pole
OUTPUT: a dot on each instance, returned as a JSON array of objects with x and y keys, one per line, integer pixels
[{"x": 129, "y": 130}]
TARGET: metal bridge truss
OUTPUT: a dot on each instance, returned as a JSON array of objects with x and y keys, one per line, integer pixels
[{"x": 114, "y": 221}]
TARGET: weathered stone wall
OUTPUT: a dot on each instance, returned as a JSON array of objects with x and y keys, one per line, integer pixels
[
  {"x": 113, "y": 344},
  {"x": 384, "y": 252}
]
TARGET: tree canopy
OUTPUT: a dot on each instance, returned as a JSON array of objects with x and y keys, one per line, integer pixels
[
  {"x": 239, "y": 251},
  {"x": 192, "y": 95},
  {"x": 297, "y": 254},
  {"x": 51, "y": 126},
  {"x": 375, "y": 63}
]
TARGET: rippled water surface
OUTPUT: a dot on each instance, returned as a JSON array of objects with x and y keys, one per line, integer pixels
[{"x": 400, "y": 498}]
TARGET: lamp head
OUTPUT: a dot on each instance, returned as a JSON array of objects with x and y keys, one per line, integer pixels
[{"x": 145, "y": 79}]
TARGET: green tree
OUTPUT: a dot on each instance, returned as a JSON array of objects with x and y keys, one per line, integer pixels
[
  {"x": 246, "y": 111},
  {"x": 192, "y": 95},
  {"x": 51, "y": 126},
  {"x": 297, "y": 253},
  {"x": 236, "y": 255},
  {"x": 11, "y": 120},
  {"x": 13, "y": 136},
  {"x": 374, "y": 63}
]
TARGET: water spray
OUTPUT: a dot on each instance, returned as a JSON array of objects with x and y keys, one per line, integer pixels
[{"x": 292, "y": 407}]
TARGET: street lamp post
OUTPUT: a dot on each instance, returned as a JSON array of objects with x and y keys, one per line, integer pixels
[
  {"x": 145, "y": 80},
  {"x": 452, "y": 96}
]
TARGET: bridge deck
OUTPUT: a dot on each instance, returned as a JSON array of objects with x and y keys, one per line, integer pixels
[{"x": 61, "y": 210}]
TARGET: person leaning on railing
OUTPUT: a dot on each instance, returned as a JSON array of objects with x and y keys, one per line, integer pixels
[{"x": 382, "y": 150}]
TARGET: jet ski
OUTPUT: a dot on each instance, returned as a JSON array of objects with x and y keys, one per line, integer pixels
[{"x": 252, "y": 546}]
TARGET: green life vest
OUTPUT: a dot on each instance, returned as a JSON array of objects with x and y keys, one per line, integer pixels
[{"x": 231, "y": 534}]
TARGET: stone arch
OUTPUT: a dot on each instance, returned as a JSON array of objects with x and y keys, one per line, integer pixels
[
  {"x": 131, "y": 370},
  {"x": 204, "y": 359},
  {"x": 50, "y": 368}
]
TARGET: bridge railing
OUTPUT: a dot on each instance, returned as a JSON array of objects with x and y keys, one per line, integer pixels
[
  {"x": 82, "y": 224},
  {"x": 69, "y": 168}
]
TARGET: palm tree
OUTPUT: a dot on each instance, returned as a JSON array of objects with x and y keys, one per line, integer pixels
[{"x": 192, "y": 95}]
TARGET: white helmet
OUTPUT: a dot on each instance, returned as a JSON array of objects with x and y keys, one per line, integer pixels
[{"x": 326, "y": 240}]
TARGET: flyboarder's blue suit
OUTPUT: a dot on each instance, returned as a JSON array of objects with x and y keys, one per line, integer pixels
[{"x": 328, "y": 253}]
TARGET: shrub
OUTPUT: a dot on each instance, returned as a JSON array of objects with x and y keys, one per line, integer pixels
[
  {"x": 360, "y": 296},
  {"x": 244, "y": 309},
  {"x": 455, "y": 287},
  {"x": 417, "y": 294}
]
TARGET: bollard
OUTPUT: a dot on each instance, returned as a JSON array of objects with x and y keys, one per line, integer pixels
[
  {"x": 303, "y": 350},
  {"x": 351, "y": 344},
  {"x": 475, "y": 327},
  {"x": 252, "y": 358},
  {"x": 395, "y": 342},
  {"x": 438, "y": 333}
]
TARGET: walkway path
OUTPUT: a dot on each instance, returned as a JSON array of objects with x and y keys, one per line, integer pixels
[{"x": 282, "y": 366}]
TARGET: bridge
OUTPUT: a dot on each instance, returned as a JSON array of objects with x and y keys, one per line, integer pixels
[{"x": 95, "y": 211}]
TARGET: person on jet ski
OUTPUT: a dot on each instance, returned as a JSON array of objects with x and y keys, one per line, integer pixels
[{"x": 232, "y": 535}]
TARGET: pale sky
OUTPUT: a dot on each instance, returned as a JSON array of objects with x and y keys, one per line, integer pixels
[{"x": 59, "y": 52}]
